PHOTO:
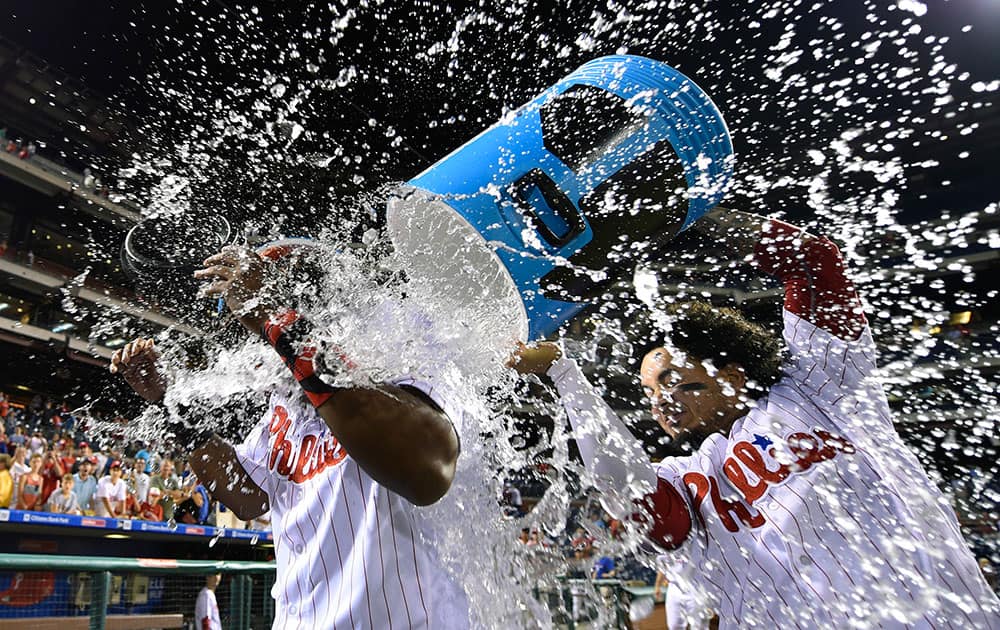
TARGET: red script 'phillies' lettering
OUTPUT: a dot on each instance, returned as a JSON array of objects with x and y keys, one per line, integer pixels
[
  {"x": 808, "y": 449},
  {"x": 299, "y": 462}
]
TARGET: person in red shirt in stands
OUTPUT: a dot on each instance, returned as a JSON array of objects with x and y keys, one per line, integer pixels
[
  {"x": 52, "y": 472},
  {"x": 150, "y": 509},
  {"x": 65, "y": 454}
]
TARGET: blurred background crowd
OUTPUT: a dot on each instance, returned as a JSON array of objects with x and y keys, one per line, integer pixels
[{"x": 49, "y": 463}]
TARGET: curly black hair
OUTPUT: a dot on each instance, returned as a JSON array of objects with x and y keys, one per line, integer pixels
[{"x": 719, "y": 334}]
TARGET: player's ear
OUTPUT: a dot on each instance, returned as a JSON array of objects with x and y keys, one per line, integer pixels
[{"x": 734, "y": 375}]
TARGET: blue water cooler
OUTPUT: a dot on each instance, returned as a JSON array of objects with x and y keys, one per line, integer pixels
[{"x": 536, "y": 215}]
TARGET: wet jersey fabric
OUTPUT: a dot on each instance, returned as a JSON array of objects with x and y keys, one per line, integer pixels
[
  {"x": 350, "y": 553},
  {"x": 813, "y": 512},
  {"x": 810, "y": 512}
]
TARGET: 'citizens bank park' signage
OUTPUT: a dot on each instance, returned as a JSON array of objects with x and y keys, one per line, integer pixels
[{"x": 117, "y": 524}]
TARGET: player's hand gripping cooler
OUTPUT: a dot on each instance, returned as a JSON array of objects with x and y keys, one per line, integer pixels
[{"x": 538, "y": 213}]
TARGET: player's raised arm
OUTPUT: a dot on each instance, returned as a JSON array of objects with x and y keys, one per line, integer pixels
[
  {"x": 400, "y": 435},
  {"x": 213, "y": 459},
  {"x": 619, "y": 466},
  {"x": 811, "y": 268}
]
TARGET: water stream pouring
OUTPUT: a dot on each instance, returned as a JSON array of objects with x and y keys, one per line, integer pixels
[{"x": 536, "y": 215}]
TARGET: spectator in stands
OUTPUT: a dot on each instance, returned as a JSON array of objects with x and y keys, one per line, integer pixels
[
  {"x": 155, "y": 458},
  {"x": 185, "y": 474},
  {"x": 603, "y": 569},
  {"x": 4, "y": 401},
  {"x": 67, "y": 458},
  {"x": 5, "y": 447},
  {"x": 139, "y": 480},
  {"x": 85, "y": 485},
  {"x": 69, "y": 421},
  {"x": 30, "y": 150},
  {"x": 86, "y": 454},
  {"x": 582, "y": 544},
  {"x": 64, "y": 501},
  {"x": 513, "y": 504},
  {"x": 6, "y": 481},
  {"x": 19, "y": 438},
  {"x": 596, "y": 516},
  {"x": 150, "y": 509},
  {"x": 170, "y": 488},
  {"x": 37, "y": 443},
  {"x": 29, "y": 489},
  {"x": 52, "y": 473},
  {"x": 206, "y": 608},
  {"x": 99, "y": 460},
  {"x": 145, "y": 455},
  {"x": 194, "y": 509},
  {"x": 18, "y": 469},
  {"x": 4, "y": 246},
  {"x": 110, "y": 496},
  {"x": 55, "y": 415},
  {"x": 525, "y": 535},
  {"x": 113, "y": 455}
]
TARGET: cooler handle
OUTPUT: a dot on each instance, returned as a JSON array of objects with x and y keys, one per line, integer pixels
[{"x": 557, "y": 201}]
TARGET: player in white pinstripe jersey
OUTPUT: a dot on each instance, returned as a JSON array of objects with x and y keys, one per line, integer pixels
[
  {"x": 342, "y": 470},
  {"x": 804, "y": 508}
]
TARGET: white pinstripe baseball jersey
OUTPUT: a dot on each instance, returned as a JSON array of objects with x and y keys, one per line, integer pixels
[
  {"x": 350, "y": 554},
  {"x": 813, "y": 513},
  {"x": 810, "y": 512}
]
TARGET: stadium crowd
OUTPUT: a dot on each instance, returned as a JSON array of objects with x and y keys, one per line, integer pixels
[
  {"x": 28, "y": 150},
  {"x": 49, "y": 464}
]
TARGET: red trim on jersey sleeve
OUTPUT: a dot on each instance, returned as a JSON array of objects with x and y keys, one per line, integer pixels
[
  {"x": 817, "y": 288},
  {"x": 287, "y": 332},
  {"x": 668, "y": 511}
]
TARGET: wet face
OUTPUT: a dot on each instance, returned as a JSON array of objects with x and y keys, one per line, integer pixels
[{"x": 687, "y": 398}]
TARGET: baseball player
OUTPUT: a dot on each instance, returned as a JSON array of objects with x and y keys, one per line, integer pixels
[
  {"x": 801, "y": 508},
  {"x": 342, "y": 470},
  {"x": 206, "y": 607}
]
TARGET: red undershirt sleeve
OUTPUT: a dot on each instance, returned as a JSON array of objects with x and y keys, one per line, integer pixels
[
  {"x": 812, "y": 271},
  {"x": 665, "y": 514}
]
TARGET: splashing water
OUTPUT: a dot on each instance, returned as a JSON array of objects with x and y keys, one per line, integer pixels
[{"x": 835, "y": 118}]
